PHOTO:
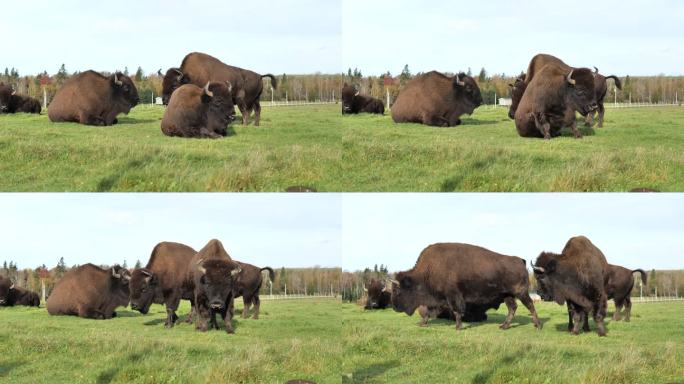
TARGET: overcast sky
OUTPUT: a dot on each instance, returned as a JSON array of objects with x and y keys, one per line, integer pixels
[
  {"x": 633, "y": 230},
  {"x": 268, "y": 36},
  {"x": 620, "y": 37},
  {"x": 291, "y": 230}
]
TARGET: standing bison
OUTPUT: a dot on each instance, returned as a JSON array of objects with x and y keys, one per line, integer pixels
[
  {"x": 455, "y": 275},
  {"x": 199, "y": 112},
  {"x": 601, "y": 90},
  {"x": 437, "y": 100},
  {"x": 378, "y": 296},
  {"x": 93, "y": 99},
  {"x": 163, "y": 280},
  {"x": 353, "y": 102},
  {"x": 248, "y": 284},
  {"x": 577, "y": 276},
  {"x": 199, "y": 68},
  {"x": 90, "y": 292}
]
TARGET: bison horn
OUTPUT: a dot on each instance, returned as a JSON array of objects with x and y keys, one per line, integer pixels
[
  {"x": 14, "y": 92},
  {"x": 201, "y": 269},
  {"x": 595, "y": 71},
  {"x": 393, "y": 281},
  {"x": 230, "y": 86},
  {"x": 11, "y": 286},
  {"x": 364, "y": 288},
  {"x": 357, "y": 93},
  {"x": 207, "y": 91},
  {"x": 116, "y": 275},
  {"x": 235, "y": 271},
  {"x": 458, "y": 81},
  {"x": 571, "y": 81},
  {"x": 159, "y": 72},
  {"x": 537, "y": 269},
  {"x": 144, "y": 272},
  {"x": 117, "y": 81},
  {"x": 180, "y": 74}
]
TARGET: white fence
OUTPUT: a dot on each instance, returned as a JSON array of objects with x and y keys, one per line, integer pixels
[
  {"x": 293, "y": 103},
  {"x": 654, "y": 299},
  {"x": 292, "y": 297},
  {"x": 641, "y": 105}
]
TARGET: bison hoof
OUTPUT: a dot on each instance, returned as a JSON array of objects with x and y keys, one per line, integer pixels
[{"x": 230, "y": 330}]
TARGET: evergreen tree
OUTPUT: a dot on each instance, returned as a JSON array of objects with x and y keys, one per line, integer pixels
[
  {"x": 60, "y": 269},
  {"x": 125, "y": 72},
  {"x": 470, "y": 72},
  {"x": 375, "y": 268},
  {"x": 283, "y": 278},
  {"x": 138, "y": 265},
  {"x": 139, "y": 74},
  {"x": 483, "y": 76},
  {"x": 125, "y": 265},
  {"x": 652, "y": 281}
]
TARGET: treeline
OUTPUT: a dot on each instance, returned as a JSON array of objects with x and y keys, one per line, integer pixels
[
  {"x": 292, "y": 281},
  {"x": 660, "y": 283},
  {"x": 635, "y": 89},
  {"x": 295, "y": 88}
]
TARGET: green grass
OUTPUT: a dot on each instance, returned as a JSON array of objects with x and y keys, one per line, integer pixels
[
  {"x": 294, "y": 146},
  {"x": 388, "y": 347},
  {"x": 291, "y": 339},
  {"x": 637, "y": 148}
]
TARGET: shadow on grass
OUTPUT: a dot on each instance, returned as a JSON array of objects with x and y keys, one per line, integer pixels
[
  {"x": 367, "y": 374},
  {"x": 485, "y": 375},
  {"x": 155, "y": 322},
  {"x": 108, "y": 182},
  {"x": 492, "y": 318},
  {"x": 107, "y": 376},
  {"x": 470, "y": 121},
  {"x": 132, "y": 121},
  {"x": 6, "y": 367},
  {"x": 126, "y": 314}
]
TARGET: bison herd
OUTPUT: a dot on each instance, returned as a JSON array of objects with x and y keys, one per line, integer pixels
[
  {"x": 543, "y": 101},
  {"x": 461, "y": 282},
  {"x": 209, "y": 279}
]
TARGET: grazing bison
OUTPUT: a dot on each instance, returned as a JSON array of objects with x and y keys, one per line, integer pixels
[
  {"x": 248, "y": 284},
  {"x": 6, "y": 289},
  {"x": 90, "y": 292},
  {"x": 378, "y": 296},
  {"x": 577, "y": 276},
  {"x": 353, "y": 102},
  {"x": 551, "y": 99},
  {"x": 199, "y": 112},
  {"x": 163, "y": 281},
  {"x": 199, "y": 68},
  {"x": 601, "y": 89},
  {"x": 214, "y": 276},
  {"x": 437, "y": 100},
  {"x": 455, "y": 275},
  {"x": 93, "y": 99}
]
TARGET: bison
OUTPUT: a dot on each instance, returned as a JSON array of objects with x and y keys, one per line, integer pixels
[
  {"x": 93, "y": 99},
  {"x": 6, "y": 289},
  {"x": 199, "y": 68},
  {"x": 473, "y": 314},
  {"x": 213, "y": 275},
  {"x": 601, "y": 89},
  {"x": 248, "y": 285},
  {"x": 437, "y": 100},
  {"x": 6, "y": 93},
  {"x": 21, "y": 296},
  {"x": 455, "y": 275},
  {"x": 378, "y": 296},
  {"x": 199, "y": 112},
  {"x": 551, "y": 99},
  {"x": 353, "y": 102},
  {"x": 163, "y": 281},
  {"x": 577, "y": 276},
  {"x": 90, "y": 292}
]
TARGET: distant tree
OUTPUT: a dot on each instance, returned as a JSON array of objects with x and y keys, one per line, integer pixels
[
  {"x": 125, "y": 265},
  {"x": 139, "y": 74},
  {"x": 470, "y": 72},
  {"x": 62, "y": 73},
  {"x": 405, "y": 75},
  {"x": 6, "y": 72},
  {"x": 375, "y": 268},
  {"x": 138, "y": 265},
  {"x": 652, "y": 281},
  {"x": 349, "y": 73},
  {"x": 483, "y": 76},
  {"x": 60, "y": 269},
  {"x": 125, "y": 72}
]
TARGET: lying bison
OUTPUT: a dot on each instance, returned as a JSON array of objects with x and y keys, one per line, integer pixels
[
  {"x": 436, "y": 99},
  {"x": 378, "y": 296},
  {"x": 353, "y": 102},
  {"x": 21, "y": 296},
  {"x": 6, "y": 288},
  {"x": 551, "y": 99},
  {"x": 199, "y": 112},
  {"x": 163, "y": 280},
  {"x": 455, "y": 275},
  {"x": 6, "y": 93},
  {"x": 10, "y": 102},
  {"x": 199, "y": 68},
  {"x": 93, "y": 99},
  {"x": 90, "y": 292},
  {"x": 213, "y": 276},
  {"x": 577, "y": 276}
]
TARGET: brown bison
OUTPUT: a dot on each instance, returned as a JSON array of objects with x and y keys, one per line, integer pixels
[
  {"x": 577, "y": 276},
  {"x": 199, "y": 112},
  {"x": 6, "y": 93},
  {"x": 473, "y": 314},
  {"x": 248, "y": 284},
  {"x": 10, "y": 102},
  {"x": 213, "y": 275},
  {"x": 601, "y": 89},
  {"x": 378, "y": 296},
  {"x": 455, "y": 275},
  {"x": 90, "y": 292},
  {"x": 437, "y": 100},
  {"x": 199, "y": 68},
  {"x": 6, "y": 288},
  {"x": 353, "y": 102},
  {"x": 93, "y": 99},
  {"x": 551, "y": 99},
  {"x": 163, "y": 280},
  {"x": 21, "y": 296}
]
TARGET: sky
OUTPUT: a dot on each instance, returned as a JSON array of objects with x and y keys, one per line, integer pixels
[
  {"x": 276, "y": 36},
  {"x": 291, "y": 230},
  {"x": 619, "y": 37},
  {"x": 633, "y": 230}
]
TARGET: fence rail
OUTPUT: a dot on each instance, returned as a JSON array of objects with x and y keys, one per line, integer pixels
[
  {"x": 653, "y": 299},
  {"x": 292, "y": 297}
]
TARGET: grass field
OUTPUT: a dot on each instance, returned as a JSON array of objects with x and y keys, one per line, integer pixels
[
  {"x": 294, "y": 146},
  {"x": 637, "y": 148},
  {"x": 388, "y": 347},
  {"x": 291, "y": 339}
]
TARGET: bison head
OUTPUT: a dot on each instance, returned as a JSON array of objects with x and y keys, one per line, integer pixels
[
  {"x": 545, "y": 273},
  {"x": 408, "y": 293},
  {"x": 142, "y": 287},
  {"x": 173, "y": 79},
  {"x": 120, "y": 279},
  {"x": 219, "y": 97},
  {"x": 125, "y": 89},
  {"x": 348, "y": 94},
  {"x": 517, "y": 90},
  {"x": 581, "y": 95},
  {"x": 6, "y": 287},
  {"x": 466, "y": 90},
  {"x": 5, "y": 96},
  {"x": 374, "y": 290},
  {"x": 217, "y": 278}
]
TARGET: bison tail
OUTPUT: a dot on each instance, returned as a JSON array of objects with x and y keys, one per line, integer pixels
[
  {"x": 618, "y": 83},
  {"x": 644, "y": 277},
  {"x": 274, "y": 81},
  {"x": 271, "y": 274}
]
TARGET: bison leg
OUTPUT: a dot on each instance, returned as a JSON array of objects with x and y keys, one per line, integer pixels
[
  {"x": 247, "y": 302},
  {"x": 570, "y": 322},
  {"x": 227, "y": 314},
  {"x": 618, "y": 309},
  {"x": 202, "y": 313},
  {"x": 601, "y": 112},
  {"x": 257, "y": 113},
  {"x": 424, "y": 313},
  {"x": 171, "y": 307},
  {"x": 575, "y": 130},
  {"x": 628, "y": 308},
  {"x": 207, "y": 133},
  {"x": 543, "y": 125},
  {"x": 589, "y": 120},
  {"x": 585, "y": 322},
  {"x": 600, "y": 314},
  {"x": 457, "y": 306},
  {"x": 529, "y": 304},
  {"x": 512, "y": 307},
  {"x": 193, "y": 311},
  {"x": 577, "y": 316},
  {"x": 257, "y": 303}
]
